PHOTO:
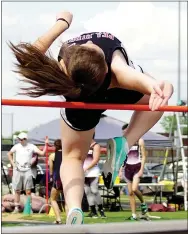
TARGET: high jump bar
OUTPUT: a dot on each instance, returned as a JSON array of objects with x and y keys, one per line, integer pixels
[{"x": 83, "y": 105}]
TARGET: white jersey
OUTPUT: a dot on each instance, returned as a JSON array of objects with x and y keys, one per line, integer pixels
[
  {"x": 23, "y": 155},
  {"x": 94, "y": 171}
]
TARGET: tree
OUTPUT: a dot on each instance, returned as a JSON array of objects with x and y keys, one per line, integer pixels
[
  {"x": 6, "y": 141},
  {"x": 167, "y": 121},
  {"x": 9, "y": 140},
  {"x": 18, "y": 132}
]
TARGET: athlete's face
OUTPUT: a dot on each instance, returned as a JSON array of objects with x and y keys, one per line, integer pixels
[{"x": 23, "y": 141}]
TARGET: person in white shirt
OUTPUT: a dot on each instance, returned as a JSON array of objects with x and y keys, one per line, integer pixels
[
  {"x": 22, "y": 161},
  {"x": 92, "y": 173}
]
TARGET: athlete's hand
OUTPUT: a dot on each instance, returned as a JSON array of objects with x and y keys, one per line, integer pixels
[
  {"x": 65, "y": 15},
  {"x": 161, "y": 93},
  {"x": 46, "y": 141}
]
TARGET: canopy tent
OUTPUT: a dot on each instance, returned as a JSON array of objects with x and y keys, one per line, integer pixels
[{"x": 108, "y": 127}]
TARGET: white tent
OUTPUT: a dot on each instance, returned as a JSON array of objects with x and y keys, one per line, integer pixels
[{"x": 108, "y": 127}]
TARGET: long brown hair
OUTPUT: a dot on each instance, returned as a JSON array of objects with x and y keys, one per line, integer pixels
[
  {"x": 58, "y": 145},
  {"x": 85, "y": 71}
]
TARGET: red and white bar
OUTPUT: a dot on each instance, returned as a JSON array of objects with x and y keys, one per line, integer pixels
[{"x": 82, "y": 105}]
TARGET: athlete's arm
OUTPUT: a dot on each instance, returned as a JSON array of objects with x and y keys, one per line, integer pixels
[
  {"x": 41, "y": 152},
  {"x": 143, "y": 154},
  {"x": 10, "y": 157},
  {"x": 34, "y": 159},
  {"x": 44, "y": 42},
  {"x": 96, "y": 157},
  {"x": 129, "y": 78}
]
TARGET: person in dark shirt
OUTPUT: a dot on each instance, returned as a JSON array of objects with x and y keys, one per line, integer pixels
[
  {"x": 55, "y": 160},
  {"x": 92, "y": 68}
]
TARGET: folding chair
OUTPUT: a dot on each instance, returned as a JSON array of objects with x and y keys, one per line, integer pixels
[{"x": 113, "y": 202}]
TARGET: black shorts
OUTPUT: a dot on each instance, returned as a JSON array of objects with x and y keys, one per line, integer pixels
[
  {"x": 131, "y": 170},
  {"x": 84, "y": 120}
]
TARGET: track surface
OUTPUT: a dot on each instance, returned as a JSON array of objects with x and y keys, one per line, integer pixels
[{"x": 157, "y": 227}]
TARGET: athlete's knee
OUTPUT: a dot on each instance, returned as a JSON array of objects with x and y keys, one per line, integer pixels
[
  {"x": 134, "y": 190},
  {"x": 131, "y": 193}
]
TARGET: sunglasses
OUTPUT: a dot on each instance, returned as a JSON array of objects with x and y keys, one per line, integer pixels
[{"x": 22, "y": 139}]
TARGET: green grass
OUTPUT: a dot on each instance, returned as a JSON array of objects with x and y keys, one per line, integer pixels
[
  {"x": 147, "y": 199},
  {"x": 11, "y": 224},
  {"x": 120, "y": 216}
]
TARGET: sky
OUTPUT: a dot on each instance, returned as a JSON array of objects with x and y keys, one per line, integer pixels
[{"x": 148, "y": 30}]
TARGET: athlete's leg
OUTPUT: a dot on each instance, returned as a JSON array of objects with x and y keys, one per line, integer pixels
[
  {"x": 131, "y": 199},
  {"x": 136, "y": 181},
  {"x": 54, "y": 195},
  {"x": 95, "y": 191},
  {"x": 17, "y": 182},
  {"x": 75, "y": 146},
  {"x": 17, "y": 201},
  {"x": 28, "y": 184},
  {"x": 141, "y": 122},
  {"x": 89, "y": 195}
]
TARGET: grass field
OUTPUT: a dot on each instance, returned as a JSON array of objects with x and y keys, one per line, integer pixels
[{"x": 120, "y": 216}]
